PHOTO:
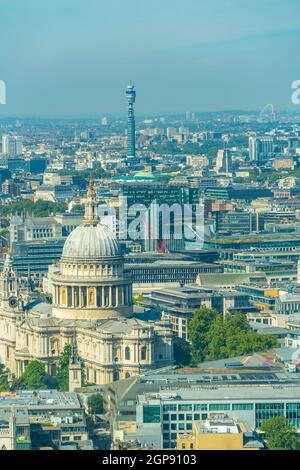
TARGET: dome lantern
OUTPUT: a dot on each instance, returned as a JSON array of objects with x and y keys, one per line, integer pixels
[{"x": 90, "y": 215}]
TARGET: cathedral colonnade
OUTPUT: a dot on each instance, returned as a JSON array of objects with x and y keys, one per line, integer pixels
[{"x": 92, "y": 296}]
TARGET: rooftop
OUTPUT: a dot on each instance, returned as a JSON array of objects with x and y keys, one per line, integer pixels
[{"x": 46, "y": 399}]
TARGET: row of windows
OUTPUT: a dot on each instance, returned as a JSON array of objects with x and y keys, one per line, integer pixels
[
  {"x": 182, "y": 426},
  {"x": 234, "y": 406},
  {"x": 185, "y": 407},
  {"x": 152, "y": 414},
  {"x": 179, "y": 417},
  {"x": 176, "y": 427},
  {"x": 211, "y": 407}
]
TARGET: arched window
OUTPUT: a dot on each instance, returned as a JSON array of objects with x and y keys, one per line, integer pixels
[
  {"x": 143, "y": 353},
  {"x": 127, "y": 353}
]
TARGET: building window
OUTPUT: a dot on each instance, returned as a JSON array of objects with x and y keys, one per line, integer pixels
[
  {"x": 266, "y": 411},
  {"x": 200, "y": 407},
  {"x": 143, "y": 353},
  {"x": 242, "y": 406},
  {"x": 116, "y": 376},
  {"x": 219, "y": 406},
  {"x": 293, "y": 414},
  {"x": 151, "y": 414},
  {"x": 185, "y": 407},
  {"x": 170, "y": 408},
  {"x": 127, "y": 353}
]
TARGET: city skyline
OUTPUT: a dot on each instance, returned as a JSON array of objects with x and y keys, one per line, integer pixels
[{"x": 198, "y": 56}]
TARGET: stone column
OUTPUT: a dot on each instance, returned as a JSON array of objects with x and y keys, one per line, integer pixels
[
  {"x": 80, "y": 297},
  {"x": 110, "y": 296}
]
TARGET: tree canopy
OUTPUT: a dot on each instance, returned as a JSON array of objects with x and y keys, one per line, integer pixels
[
  {"x": 198, "y": 328},
  {"x": 95, "y": 404},
  {"x": 280, "y": 435},
  {"x": 34, "y": 377},
  {"x": 233, "y": 336},
  {"x": 38, "y": 209},
  {"x": 4, "y": 386},
  {"x": 182, "y": 352},
  {"x": 213, "y": 337},
  {"x": 62, "y": 372}
]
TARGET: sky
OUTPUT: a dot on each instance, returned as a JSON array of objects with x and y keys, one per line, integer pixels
[{"x": 76, "y": 57}]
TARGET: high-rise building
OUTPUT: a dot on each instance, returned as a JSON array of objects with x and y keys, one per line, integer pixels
[
  {"x": 12, "y": 145},
  {"x": 224, "y": 161},
  {"x": 130, "y": 96},
  {"x": 260, "y": 148}
]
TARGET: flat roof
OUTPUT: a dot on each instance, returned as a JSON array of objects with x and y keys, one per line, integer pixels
[
  {"x": 265, "y": 393},
  {"x": 46, "y": 399}
]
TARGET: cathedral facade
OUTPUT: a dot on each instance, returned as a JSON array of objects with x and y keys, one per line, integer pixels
[{"x": 91, "y": 304}]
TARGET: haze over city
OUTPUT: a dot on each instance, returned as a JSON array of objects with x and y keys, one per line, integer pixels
[
  {"x": 68, "y": 57},
  {"x": 149, "y": 230}
]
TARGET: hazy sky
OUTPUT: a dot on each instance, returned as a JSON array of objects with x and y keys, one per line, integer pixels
[{"x": 75, "y": 57}]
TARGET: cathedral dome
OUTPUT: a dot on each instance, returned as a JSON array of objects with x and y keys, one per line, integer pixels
[{"x": 91, "y": 242}]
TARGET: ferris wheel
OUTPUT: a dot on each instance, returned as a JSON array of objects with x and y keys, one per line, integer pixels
[{"x": 267, "y": 114}]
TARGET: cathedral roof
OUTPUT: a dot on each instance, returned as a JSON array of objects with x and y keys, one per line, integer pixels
[
  {"x": 91, "y": 242},
  {"x": 114, "y": 326}
]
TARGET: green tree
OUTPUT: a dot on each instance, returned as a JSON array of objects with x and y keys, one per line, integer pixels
[
  {"x": 213, "y": 337},
  {"x": 95, "y": 404},
  {"x": 38, "y": 209},
  {"x": 62, "y": 372},
  {"x": 182, "y": 352},
  {"x": 233, "y": 336},
  {"x": 198, "y": 327},
  {"x": 34, "y": 378},
  {"x": 280, "y": 435},
  {"x": 4, "y": 386}
]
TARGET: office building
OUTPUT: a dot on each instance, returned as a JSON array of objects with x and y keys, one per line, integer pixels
[
  {"x": 12, "y": 146},
  {"x": 165, "y": 404},
  {"x": 224, "y": 161},
  {"x": 219, "y": 432},
  {"x": 44, "y": 419},
  {"x": 260, "y": 148},
  {"x": 177, "y": 304}
]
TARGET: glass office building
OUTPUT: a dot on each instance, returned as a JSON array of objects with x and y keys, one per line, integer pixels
[{"x": 168, "y": 413}]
